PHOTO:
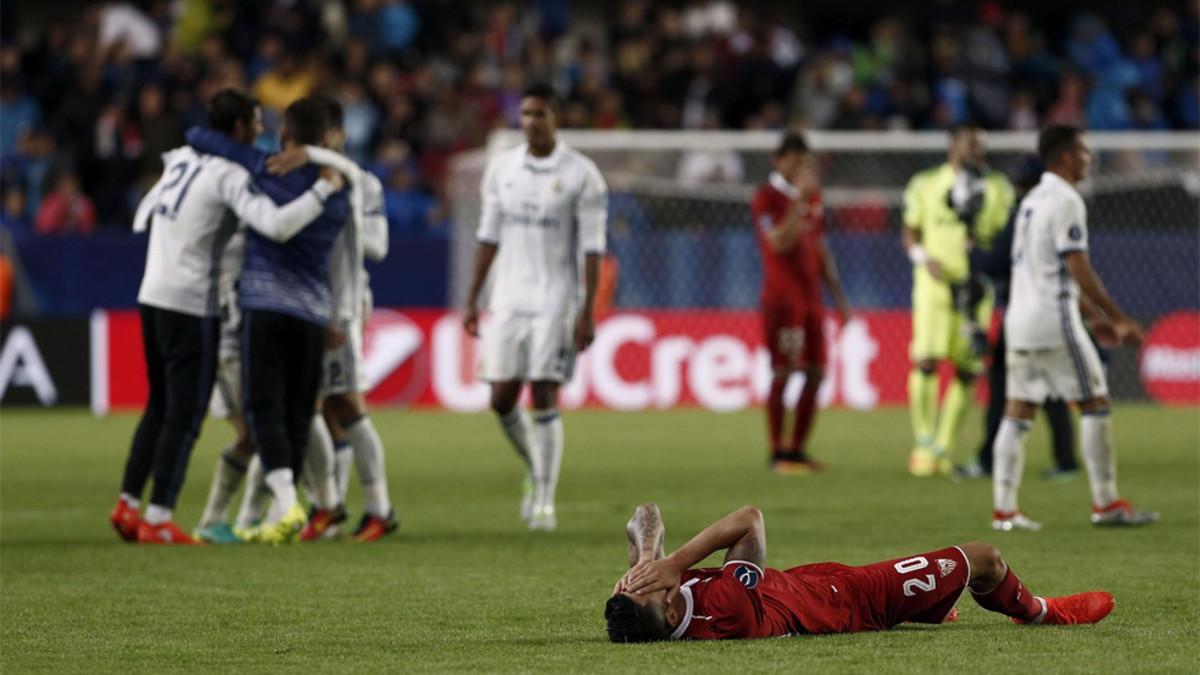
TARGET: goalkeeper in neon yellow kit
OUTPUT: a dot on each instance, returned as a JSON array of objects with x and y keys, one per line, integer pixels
[{"x": 947, "y": 210}]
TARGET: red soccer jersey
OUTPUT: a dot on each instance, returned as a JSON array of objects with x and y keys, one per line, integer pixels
[
  {"x": 741, "y": 601},
  {"x": 794, "y": 275}
]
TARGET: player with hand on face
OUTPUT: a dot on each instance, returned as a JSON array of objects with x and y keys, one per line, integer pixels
[
  {"x": 545, "y": 207},
  {"x": 1049, "y": 352},
  {"x": 789, "y": 222},
  {"x": 948, "y": 210},
  {"x": 664, "y": 598}
]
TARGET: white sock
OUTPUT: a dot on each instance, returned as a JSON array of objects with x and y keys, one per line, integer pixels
[
  {"x": 227, "y": 477},
  {"x": 516, "y": 427},
  {"x": 343, "y": 457},
  {"x": 157, "y": 515},
  {"x": 131, "y": 501},
  {"x": 283, "y": 486},
  {"x": 256, "y": 497},
  {"x": 1008, "y": 463},
  {"x": 368, "y": 458},
  {"x": 547, "y": 451},
  {"x": 318, "y": 465},
  {"x": 1099, "y": 456}
]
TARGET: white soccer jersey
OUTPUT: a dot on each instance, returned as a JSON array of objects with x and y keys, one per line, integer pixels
[
  {"x": 544, "y": 214},
  {"x": 191, "y": 212},
  {"x": 1043, "y": 306}
]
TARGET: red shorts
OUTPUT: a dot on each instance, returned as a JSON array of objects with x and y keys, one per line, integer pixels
[
  {"x": 794, "y": 334},
  {"x": 919, "y": 589}
]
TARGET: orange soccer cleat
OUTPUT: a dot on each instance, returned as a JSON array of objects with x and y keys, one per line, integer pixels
[
  {"x": 166, "y": 533},
  {"x": 125, "y": 520},
  {"x": 373, "y": 528},
  {"x": 1090, "y": 607}
]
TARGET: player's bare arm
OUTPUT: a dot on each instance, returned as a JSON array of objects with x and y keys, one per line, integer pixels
[
  {"x": 646, "y": 533},
  {"x": 485, "y": 253},
  {"x": 585, "y": 325},
  {"x": 911, "y": 239},
  {"x": 782, "y": 238},
  {"x": 743, "y": 533},
  {"x": 1092, "y": 289},
  {"x": 829, "y": 273}
]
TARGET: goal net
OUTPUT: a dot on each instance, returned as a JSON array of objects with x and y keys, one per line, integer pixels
[{"x": 679, "y": 296}]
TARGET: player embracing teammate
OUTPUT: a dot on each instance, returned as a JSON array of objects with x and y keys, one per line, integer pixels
[{"x": 790, "y": 226}]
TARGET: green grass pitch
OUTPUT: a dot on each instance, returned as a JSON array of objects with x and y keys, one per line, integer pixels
[{"x": 463, "y": 587}]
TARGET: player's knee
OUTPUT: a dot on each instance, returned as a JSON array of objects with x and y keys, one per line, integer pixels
[
  {"x": 1095, "y": 405},
  {"x": 927, "y": 366},
  {"x": 814, "y": 375},
  {"x": 987, "y": 564}
]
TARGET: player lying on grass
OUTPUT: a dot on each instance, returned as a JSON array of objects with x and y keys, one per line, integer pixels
[{"x": 663, "y": 598}]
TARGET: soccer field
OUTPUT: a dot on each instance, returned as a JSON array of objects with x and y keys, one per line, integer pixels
[{"x": 464, "y": 587}]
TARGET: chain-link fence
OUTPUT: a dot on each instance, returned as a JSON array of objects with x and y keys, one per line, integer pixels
[{"x": 684, "y": 256}]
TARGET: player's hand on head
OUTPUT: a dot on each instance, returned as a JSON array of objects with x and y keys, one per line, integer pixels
[
  {"x": 585, "y": 331},
  {"x": 288, "y": 160},
  {"x": 653, "y": 575}
]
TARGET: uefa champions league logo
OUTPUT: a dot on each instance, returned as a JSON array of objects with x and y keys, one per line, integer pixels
[{"x": 747, "y": 576}]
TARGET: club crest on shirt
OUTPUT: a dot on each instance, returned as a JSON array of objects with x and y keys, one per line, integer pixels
[
  {"x": 557, "y": 185},
  {"x": 747, "y": 576},
  {"x": 946, "y": 566}
]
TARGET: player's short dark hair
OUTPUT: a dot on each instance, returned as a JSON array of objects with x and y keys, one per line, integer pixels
[
  {"x": 1056, "y": 139},
  {"x": 307, "y": 120},
  {"x": 792, "y": 141},
  {"x": 229, "y": 107},
  {"x": 542, "y": 90},
  {"x": 333, "y": 108},
  {"x": 631, "y": 622}
]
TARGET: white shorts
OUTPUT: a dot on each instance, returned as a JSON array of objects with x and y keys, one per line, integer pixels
[
  {"x": 527, "y": 346},
  {"x": 1070, "y": 372},
  {"x": 227, "y": 392},
  {"x": 343, "y": 372}
]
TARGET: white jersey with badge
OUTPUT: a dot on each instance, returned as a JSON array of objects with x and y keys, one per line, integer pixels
[
  {"x": 191, "y": 212},
  {"x": 545, "y": 214},
  {"x": 1043, "y": 308}
]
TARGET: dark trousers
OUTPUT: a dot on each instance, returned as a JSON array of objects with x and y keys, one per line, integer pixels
[
  {"x": 181, "y": 364},
  {"x": 1057, "y": 414},
  {"x": 281, "y": 374}
]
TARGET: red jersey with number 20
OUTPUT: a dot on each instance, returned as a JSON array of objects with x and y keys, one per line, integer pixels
[
  {"x": 740, "y": 600},
  {"x": 795, "y": 275}
]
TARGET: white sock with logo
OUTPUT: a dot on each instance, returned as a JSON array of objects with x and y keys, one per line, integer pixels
[
  {"x": 368, "y": 459},
  {"x": 546, "y": 451},
  {"x": 227, "y": 478},
  {"x": 319, "y": 465},
  {"x": 1099, "y": 456},
  {"x": 283, "y": 487},
  {"x": 1008, "y": 463},
  {"x": 516, "y": 427},
  {"x": 343, "y": 458}
]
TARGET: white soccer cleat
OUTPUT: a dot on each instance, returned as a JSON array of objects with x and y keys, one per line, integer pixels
[
  {"x": 1007, "y": 522},
  {"x": 543, "y": 519},
  {"x": 527, "y": 499},
  {"x": 1122, "y": 514}
]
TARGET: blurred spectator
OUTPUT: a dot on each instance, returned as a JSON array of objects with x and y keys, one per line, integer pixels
[
  {"x": 108, "y": 88},
  {"x": 711, "y": 166},
  {"x": 14, "y": 212},
  {"x": 408, "y": 208},
  {"x": 66, "y": 210}
]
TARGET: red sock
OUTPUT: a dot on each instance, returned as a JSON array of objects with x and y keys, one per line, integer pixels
[
  {"x": 775, "y": 414},
  {"x": 1012, "y": 599},
  {"x": 806, "y": 410}
]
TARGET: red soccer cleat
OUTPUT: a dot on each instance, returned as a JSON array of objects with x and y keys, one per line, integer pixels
[
  {"x": 166, "y": 533},
  {"x": 373, "y": 528},
  {"x": 125, "y": 520},
  {"x": 1090, "y": 607},
  {"x": 320, "y": 522}
]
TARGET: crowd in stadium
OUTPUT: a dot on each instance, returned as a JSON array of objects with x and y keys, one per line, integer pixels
[{"x": 88, "y": 102}]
